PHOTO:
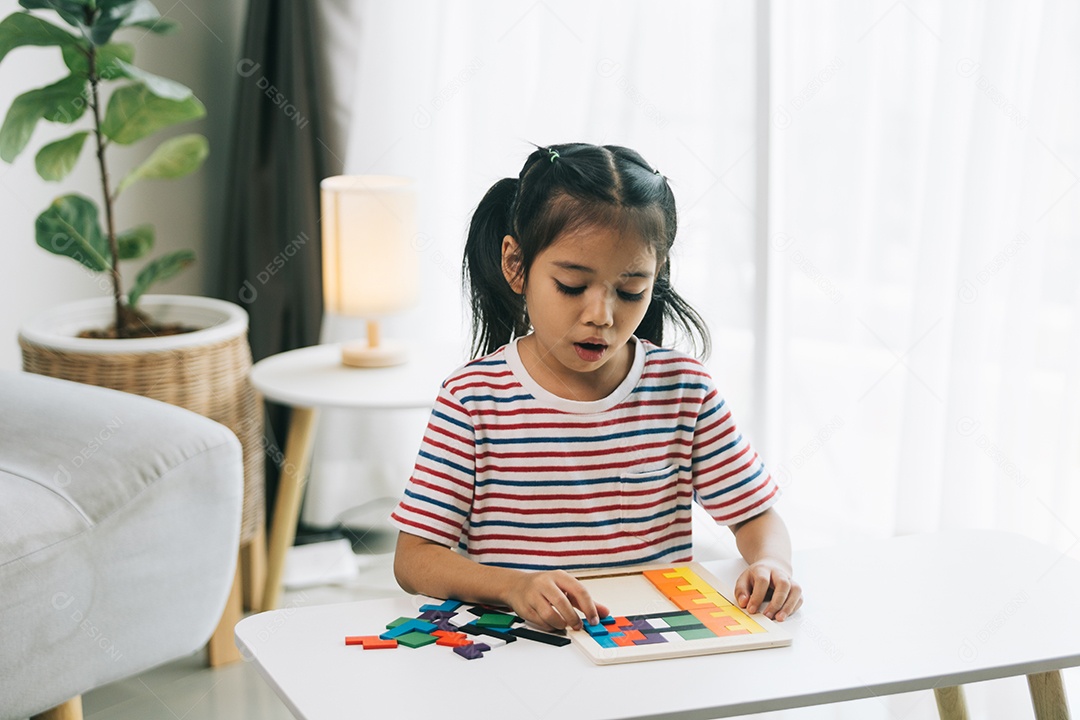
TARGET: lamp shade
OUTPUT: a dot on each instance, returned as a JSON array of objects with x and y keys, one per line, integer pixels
[{"x": 369, "y": 264}]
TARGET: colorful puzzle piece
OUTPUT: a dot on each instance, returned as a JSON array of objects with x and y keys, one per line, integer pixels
[
  {"x": 448, "y": 606},
  {"x": 416, "y": 639}
]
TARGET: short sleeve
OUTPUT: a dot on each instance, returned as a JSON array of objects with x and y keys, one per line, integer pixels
[
  {"x": 439, "y": 494},
  {"x": 730, "y": 480}
]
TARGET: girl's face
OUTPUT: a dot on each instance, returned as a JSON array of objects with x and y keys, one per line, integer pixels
[{"x": 586, "y": 293}]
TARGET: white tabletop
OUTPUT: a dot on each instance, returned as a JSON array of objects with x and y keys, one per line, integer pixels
[
  {"x": 882, "y": 617},
  {"x": 314, "y": 377}
]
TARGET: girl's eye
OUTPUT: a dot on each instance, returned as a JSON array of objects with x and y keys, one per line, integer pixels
[
  {"x": 567, "y": 290},
  {"x": 632, "y": 297}
]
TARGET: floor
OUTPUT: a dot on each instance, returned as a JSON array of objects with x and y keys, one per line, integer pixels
[{"x": 186, "y": 689}]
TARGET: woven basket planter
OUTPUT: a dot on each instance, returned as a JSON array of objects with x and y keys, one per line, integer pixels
[{"x": 205, "y": 371}]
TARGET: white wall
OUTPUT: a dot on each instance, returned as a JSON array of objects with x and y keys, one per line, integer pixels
[{"x": 186, "y": 213}]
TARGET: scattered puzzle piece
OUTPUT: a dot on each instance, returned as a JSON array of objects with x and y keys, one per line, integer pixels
[
  {"x": 414, "y": 625},
  {"x": 416, "y": 639},
  {"x": 448, "y": 606},
  {"x": 547, "y": 638},
  {"x": 495, "y": 620},
  {"x": 472, "y": 651}
]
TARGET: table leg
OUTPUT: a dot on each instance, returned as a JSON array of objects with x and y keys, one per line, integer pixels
[
  {"x": 294, "y": 469},
  {"x": 1048, "y": 696},
  {"x": 950, "y": 703}
]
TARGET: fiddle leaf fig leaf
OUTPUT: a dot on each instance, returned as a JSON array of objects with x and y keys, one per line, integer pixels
[
  {"x": 105, "y": 60},
  {"x": 21, "y": 29},
  {"x": 136, "y": 242},
  {"x": 70, "y": 227},
  {"x": 162, "y": 87},
  {"x": 56, "y": 160},
  {"x": 74, "y": 12},
  {"x": 157, "y": 270},
  {"x": 62, "y": 102},
  {"x": 135, "y": 111},
  {"x": 172, "y": 159}
]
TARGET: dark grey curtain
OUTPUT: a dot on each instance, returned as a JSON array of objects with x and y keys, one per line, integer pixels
[{"x": 270, "y": 258}]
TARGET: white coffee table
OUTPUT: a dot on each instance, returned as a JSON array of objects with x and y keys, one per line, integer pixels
[
  {"x": 312, "y": 378},
  {"x": 883, "y": 617}
]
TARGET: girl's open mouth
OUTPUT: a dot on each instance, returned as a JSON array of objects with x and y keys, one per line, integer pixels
[{"x": 590, "y": 352}]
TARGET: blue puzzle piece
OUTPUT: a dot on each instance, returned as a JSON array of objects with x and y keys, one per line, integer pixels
[
  {"x": 408, "y": 627},
  {"x": 447, "y": 606},
  {"x": 595, "y": 630},
  {"x": 605, "y": 641},
  {"x": 607, "y": 620}
]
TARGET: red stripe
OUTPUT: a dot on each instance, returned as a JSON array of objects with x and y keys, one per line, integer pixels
[
  {"x": 586, "y": 453},
  {"x": 712, "y": 426},
  {"x": 726, "y": 461},
  {"x": 431, "y": 442},
  {"x": 508, "y": 412},
  {"x": 562, "y": 539},
  {"x": 728, "y": 474},
  {"x": 484, "y": 497},
  {"x": 571, "y": 553},
  {"x": 455, "y": 406},
  {"x": 468, "y": 373},
  {"x": 725, "y": 518},
  {"x": 628, "y": 463},
  {"x": 444, "y": 476},
  {"x": 672, "y": 373},
  {"x": 467, "y": 442},
  {"x": 577, "y": 510},
  {"x": 410, "y": 523},
  {"x": 749, "y": 493},
  {"x": 441, "y": 490},
  {"x": 612, "y": 422},
  {"x": 485, "y": 385}
]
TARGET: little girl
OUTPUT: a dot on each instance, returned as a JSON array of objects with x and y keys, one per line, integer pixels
[{"x": 577, "y": 440}]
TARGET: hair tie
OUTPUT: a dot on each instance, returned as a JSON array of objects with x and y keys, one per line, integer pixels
[{"x": 554, "y": 153}]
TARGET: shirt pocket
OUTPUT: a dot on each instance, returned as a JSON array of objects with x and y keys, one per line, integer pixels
[{"x": 648, "y": 499}]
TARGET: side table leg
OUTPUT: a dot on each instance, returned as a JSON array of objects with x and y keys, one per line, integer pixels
[
  {"x": 287, "y": 508},
  {"x": 1048, "y": 696},
  {"x": 951, "y": 704}
]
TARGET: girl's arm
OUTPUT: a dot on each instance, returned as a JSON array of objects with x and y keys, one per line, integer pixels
[
  {"x": 765, "y": 545},
  {"x": 545, "y": 598}
]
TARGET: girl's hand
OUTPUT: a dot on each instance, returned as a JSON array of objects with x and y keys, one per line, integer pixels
[
  {"x": 548, "y": 599},
  {"x": 753, "y": 586}
]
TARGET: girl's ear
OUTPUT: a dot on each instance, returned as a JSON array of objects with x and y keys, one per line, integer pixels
[{"x": 511, "y": 264}]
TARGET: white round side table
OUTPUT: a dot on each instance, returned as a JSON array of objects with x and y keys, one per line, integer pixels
[{"x": 311, "y": 378}]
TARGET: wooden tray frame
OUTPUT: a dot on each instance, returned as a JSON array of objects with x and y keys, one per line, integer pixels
[{"x": 774, "y": 636}]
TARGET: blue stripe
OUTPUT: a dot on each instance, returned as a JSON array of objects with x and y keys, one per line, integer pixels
[
  {"x": 443, "y": 461},
  {"x": 453, "y": 421},
  {"x": 573, "y": 483},
  {"x": 590, "y": 566},
  {"x": 485, "y": 362},
  {"x": 581, "y": 524},
  {"x": 591, "y": 438},
  {"x": 493, "y": 398},
  {"x": 736, "y": 486},
  {"x": 719, "y": 450},
  {"x": 678, "y": 386},
  {"x": 712, "y": 410},
  {"x": 431, "y": 501}
]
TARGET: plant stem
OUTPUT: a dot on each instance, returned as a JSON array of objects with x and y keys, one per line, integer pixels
[{"x": 114, "y": 250}]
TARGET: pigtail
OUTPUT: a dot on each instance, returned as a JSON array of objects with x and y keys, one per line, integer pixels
[
  {"x": 498, "y": 313},
  {"x": 668, "y": 305}
]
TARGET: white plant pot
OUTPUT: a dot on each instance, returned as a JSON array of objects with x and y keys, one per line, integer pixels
[{"x": 59, "y": 327}]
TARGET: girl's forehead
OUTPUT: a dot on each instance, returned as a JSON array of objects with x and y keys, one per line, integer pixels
[{"x": 593, "y": 246}]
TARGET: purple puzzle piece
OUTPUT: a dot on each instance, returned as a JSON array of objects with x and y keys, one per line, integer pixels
[
  {"x": 436, "y": 615},
  {"x": 641, "y": 624},
  {"x": 472, "y": 651},
  {"x": 447, "y": 626},
  {"x": 651, "y": 639}
]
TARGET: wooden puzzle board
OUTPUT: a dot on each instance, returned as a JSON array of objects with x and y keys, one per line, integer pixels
[{"x": 666, "y": 611}]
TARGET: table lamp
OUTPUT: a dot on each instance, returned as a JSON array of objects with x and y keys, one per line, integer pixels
[{"x": 370, "y": 268}]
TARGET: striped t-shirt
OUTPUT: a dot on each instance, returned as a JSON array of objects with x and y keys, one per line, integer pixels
[{"x": 515, "y": 476}]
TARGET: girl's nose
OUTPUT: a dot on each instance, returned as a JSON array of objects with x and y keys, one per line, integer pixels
[{"x": 598, "y": 307}]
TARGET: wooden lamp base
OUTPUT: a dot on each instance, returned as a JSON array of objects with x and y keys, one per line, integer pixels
[{"x": 375, "y": 352}]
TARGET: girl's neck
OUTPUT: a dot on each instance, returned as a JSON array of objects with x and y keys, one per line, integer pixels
[{"x": 578, "y": 386}]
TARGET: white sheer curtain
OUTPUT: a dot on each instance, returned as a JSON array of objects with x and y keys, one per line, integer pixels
[{"x": 922, "y": 237}]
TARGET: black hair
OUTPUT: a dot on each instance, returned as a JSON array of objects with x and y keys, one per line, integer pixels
[{"x": 563, "y": 188}]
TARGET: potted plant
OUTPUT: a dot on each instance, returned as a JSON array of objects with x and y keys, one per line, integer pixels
[
  {"x": 189, "y": 351},
  {"x": 143, "y": 105}
]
